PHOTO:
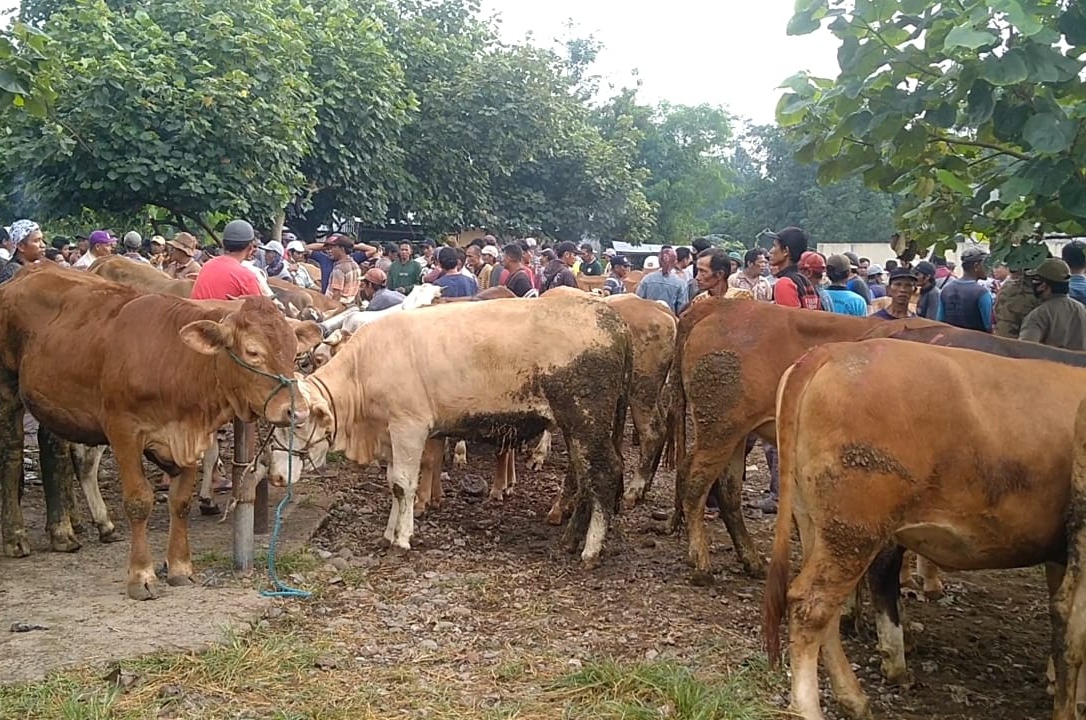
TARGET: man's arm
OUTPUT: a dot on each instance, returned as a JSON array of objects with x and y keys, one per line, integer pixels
[
  {"x": 1034, "y": 327},
  {"x": 335, "y": 285},
  {"x": 985, "y": 305}
]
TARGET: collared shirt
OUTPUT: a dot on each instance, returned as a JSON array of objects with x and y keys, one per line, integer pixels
[
  {"x": 1077, "y": 288},
  {"x": 669, "y": 289},
  {"x": 1059, "y": 321},
  {"x": 84, "y": 261},
  {"x": 383, "y": 299},
  {"x": 183, "y": 272},
  {"x": 759, "y": 287},
  {"x": 346, "y": 278}
]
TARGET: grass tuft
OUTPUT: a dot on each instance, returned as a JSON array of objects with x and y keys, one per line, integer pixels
[{"x": 649, "y": 691}]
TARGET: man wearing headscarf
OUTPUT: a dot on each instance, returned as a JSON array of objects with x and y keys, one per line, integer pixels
[
  {"x": 28, "y": 240},
  {"x": 665, "y": 285}
]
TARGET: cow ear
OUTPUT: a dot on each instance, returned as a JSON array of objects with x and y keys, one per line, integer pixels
[
  {"x": 309, "y": 335},
  {"x": 206, "y": 336}
]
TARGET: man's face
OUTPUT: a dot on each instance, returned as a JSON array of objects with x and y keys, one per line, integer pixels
[
  {"x": 337, "y": 252},
  {"x": 1038, "y": 286},
  {"x": 1001, "y": 273},
  {"x": 508, "y": 262},
  {"x": 705, "y": 277},
  {"x": 33, "y": 246},
  {"x": 475, "y": 258},
  {"x": 981, "y": 270},
  {"x": 864, "y": 264},
  {"x": 569, "y": 258},
  {"x": 621, "y": 271},
  {"x": 901, "y": 291},
  {"x": 427, "y": 252},
  {"x": 778, "y": 256},
  {"x": 271, "y": 257},
  {"x": 367, "y": 290},
  {"x": 405, "y": 252},
  {"x": 760, "y": 264},
  {"x": 82, "y": 246},
  {"x": 296, "y": 256},
  {"x": 587, "y": 255},
  {"x": 178, "y": 257}
]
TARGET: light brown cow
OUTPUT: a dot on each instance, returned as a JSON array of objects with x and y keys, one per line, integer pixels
[
  {"x": 114, "y": 394},
  {"x": 1069, "y": 602},
  {"x": 499, "y": 372},
  {"x": 139, "y": 275},
  {"x": 952, "y": 487},
  {"x": 300, "y": 299},
  {"x": 730, "y": 355}
]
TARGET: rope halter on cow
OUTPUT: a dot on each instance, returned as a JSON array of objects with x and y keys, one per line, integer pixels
[{"x": 281, "y": 589}]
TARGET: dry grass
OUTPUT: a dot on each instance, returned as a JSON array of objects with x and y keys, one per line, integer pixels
[{"x": 285, "y": 675}]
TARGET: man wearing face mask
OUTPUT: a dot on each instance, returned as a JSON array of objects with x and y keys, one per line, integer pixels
[{"x": 1058, "y": 321}]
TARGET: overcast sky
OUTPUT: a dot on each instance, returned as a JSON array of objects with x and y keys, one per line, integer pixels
[{"x": 733, "y": 53}]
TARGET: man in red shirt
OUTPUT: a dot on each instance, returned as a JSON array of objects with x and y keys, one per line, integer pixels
[{"x": 224, "y": 277}]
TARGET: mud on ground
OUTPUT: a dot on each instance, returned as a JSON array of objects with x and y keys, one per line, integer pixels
[{"x": 484, "y": 612}]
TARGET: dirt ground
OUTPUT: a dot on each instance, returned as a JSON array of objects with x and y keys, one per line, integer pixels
[{"x": 484, "y": 607}]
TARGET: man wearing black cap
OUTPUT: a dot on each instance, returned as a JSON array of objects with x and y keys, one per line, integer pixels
[
  {"x": 615, "y": 283},
  {"x": 928, "y": 305},
  {"x": 966, "y": 302},
  {"x": 900, "y": 292},
  {"x": 857, "y": 282},
  {"x": 224, "y": 277},
  {"x": 1058, "y": 321}
]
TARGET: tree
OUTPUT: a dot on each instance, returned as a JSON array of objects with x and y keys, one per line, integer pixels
[
  {"x": 972, "y": 110},
  {"x": 181, "y": 106},
  {"x": 775, "y": 190}
]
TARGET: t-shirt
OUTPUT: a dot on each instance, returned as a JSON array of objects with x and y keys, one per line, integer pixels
[
  {"x": 592, "y": 268},
  {"x": 614, "y": 285},
  {"x": 787, "y": 294},
  {"x": 223, "y": 278},
  {"x": 884, "y": 314},
  {"x": 325, "y": 263},
  {"x": 404, "y": 275},
  {"x": 1059, "y": 322},
  {"x": 384, "y": 298},
  {"x": 877, "y": 291},
  {"x": 846, "y": 302},
  {"x": 519, "y": 282},
  {"x": 859, "y": 286},
  {"x": 455, "y": 284}
]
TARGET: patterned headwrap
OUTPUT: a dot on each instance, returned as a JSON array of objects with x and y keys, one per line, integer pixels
[{"x": 22, "y": 229}]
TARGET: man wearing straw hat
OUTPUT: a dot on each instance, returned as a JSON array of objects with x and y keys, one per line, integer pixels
[{"x": 181, "y": 250}]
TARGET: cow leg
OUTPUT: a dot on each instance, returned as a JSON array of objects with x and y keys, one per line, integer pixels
[
  {"x": 67, "y": 468},
  {"x": 650, "y": 438},
  {"x": 539, "y": 453},
  {"x": 208, "y": 466},
  {"x": 503, "y": 473},
  {"x": 139, "y": 500},
  {"x": 86, "y": 460},
  {"x": 816, "y": 598},
  {"x": 929, "y": 576},
  {"x": 597, "y": 468},
  {"x": 884, "y": 577},
  {"x": 460, "y": 454},
  {"x": 731, "y": 512},
  {"x": 16, "y": 543},
  {"x": 178, "y": 558},
  {"x": 510, "y": 470},
  {"x": 58, "y": 479},
  {"x": 433, "y": 455},
  {"x": 407, "y": 450},
  {"x": 906, "y": 579}
]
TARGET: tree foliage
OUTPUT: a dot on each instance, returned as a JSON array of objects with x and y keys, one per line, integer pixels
[
  {"x": 971, "y": 110},
  {"x": 775, "y": 190}
]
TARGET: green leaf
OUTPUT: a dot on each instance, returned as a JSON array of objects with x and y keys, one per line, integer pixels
[
  {"x": 911, "y": 141},
  {"x": 1016, "y": 186},
  {"x": 1046, "y": 64},
  {"x": 1027, "y": 25},
  {"x": 980, "y": 103},
  {"x": 1010, "y": 69},
  {"x": 1008, "y": 120},
  {"x": 1073, "y": 198},
  {"x": 802, "y": 24},
  {"x": 1049, "y": 133},
  {"x": 967, "y": 37},
  {"x": 953, "y": 182},
  {"x": 1013, "y": 211},
  {"x": 942, "y": 115},
  {"x": 1072, "y": 24},
  {"x": 10, "y": 83}
]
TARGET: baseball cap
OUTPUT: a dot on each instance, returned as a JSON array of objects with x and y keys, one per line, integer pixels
[
  {"x": 610, "y": 252},
  {"x": 158, "y": 240},
  {"x": 274, "y": 246},
  {"x": 900, "y": 273},
  {"x": 839, "y": 263},
  {"x": 1052, "y": 270},
  {"x": 924, "y": 268},
  {"x": 874, "y": 269},
  {"x": 296, "y": 246},
  {"x": 811, "y": 260},
  {"x": 132, "y": 240},
  {"x": 100, "y": 237},
  {"x": 376, "y": 276},
  {"x": 620, "y": 260},
  {"x": 854, "y": 261},
  {"x": 973, "y": 254},
  {"x": 491, "y": 250},
  {"x": 237, "y": 235}
]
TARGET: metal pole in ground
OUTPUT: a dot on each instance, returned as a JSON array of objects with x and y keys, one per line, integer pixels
[
  {"x": 245, "y": 495},
  {"x": 260, "y": 506}
]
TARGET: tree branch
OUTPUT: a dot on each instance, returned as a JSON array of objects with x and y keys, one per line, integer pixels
[
  {"x": 981, "y": 144},
  {"x": 922, "y": 70}
]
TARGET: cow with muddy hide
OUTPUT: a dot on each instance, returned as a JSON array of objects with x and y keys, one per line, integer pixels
[
  {"x": 965, "y": 488},
  {"x": 499, "y": 372},
  {"x": 114, "y": 394}
]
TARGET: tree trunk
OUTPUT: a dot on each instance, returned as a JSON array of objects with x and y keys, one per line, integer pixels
[{"x": 277, "y": 225}]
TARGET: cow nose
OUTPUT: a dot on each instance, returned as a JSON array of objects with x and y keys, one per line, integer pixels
[{"x": 298, "y": 416}]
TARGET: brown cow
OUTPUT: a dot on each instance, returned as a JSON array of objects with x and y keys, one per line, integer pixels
[
  {"x": 300, "y": 298},
  {"x": 1069, "y": 604},
  {"x": 139, "y": 275},
  {"x": 730, "y": 355},
  {"x": 114, "y": 394},
  {"x": 952, "y": 487},
  {"x": 499, "y": 372}
]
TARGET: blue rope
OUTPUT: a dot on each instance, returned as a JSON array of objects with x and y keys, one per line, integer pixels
[{"x": 281, "y": 589}]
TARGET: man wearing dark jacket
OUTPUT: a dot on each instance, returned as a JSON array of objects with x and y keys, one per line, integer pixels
[
  {"x": 928, "y": 304},
  {"x": 559, "y": 271}
]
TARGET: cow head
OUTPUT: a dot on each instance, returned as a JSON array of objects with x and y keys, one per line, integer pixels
[
  {"x": 254, "y": 349},
  {"x": 312, "y": 438}
]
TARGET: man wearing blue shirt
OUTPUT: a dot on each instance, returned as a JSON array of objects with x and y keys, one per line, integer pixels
[
  {"x": 453, "y": 283},
  {"x": 1074, "y": 254},
  {"x": 665, "y": 284},
  {"x": 966, "y": 303},
  {"x": 845, "y": 301}
]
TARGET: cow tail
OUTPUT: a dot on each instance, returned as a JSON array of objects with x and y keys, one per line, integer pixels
[
  {"x": 675, "y": 398},
  {"x": 775, "y": 601}
]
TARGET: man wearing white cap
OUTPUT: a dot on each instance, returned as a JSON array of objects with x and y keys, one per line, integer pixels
[
  {"x": 274, "y": 262},
  {"x": 492, "y": 257},
  {"x": 299, "y": 275}
]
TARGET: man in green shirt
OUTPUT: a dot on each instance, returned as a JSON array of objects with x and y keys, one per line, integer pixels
[
  {"x": 404, "y": 273},
  {"x": 590, "y": 264},
  {"x": 1058, "y": 321}
]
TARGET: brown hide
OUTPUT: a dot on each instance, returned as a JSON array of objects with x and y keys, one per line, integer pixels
[
  {"x": 139, "y": 275},
  {"x": 304, "y": 297},
  {"x": 86, "y": 357},
  {"x": 588, "y": 283},
  {"x": 966, "y": 487}
]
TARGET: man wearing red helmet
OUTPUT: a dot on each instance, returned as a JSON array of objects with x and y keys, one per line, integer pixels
[{"x": 813, "y": 267}]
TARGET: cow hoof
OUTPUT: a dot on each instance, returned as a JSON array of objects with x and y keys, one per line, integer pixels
[
  {"x": 398, "y": 551},
  {"x": 702, "y": 578},
  {"x": 384, "y": 543},
  {"x": 109, "y": 534},
  {"x": 674, "y": 523},
  {"x": 209, "y": 508},
  {"x": 141, "y": 591},
  {"x": 554, "y": 517},
  {"x": 755, "y": 569},
  {"x": 180, "y": 581},
  {"x": 20, "y": 548},
  {"x": 591, "y": 563},
  {"x": 856, "y": 708},
  {"x": 77, "y": 525},
  {"x": 937, "y": 592},
  {"x": 534, "y": 465},
  {"x": 65, "y": 544},
  {"x": 496, "y": 496}
]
